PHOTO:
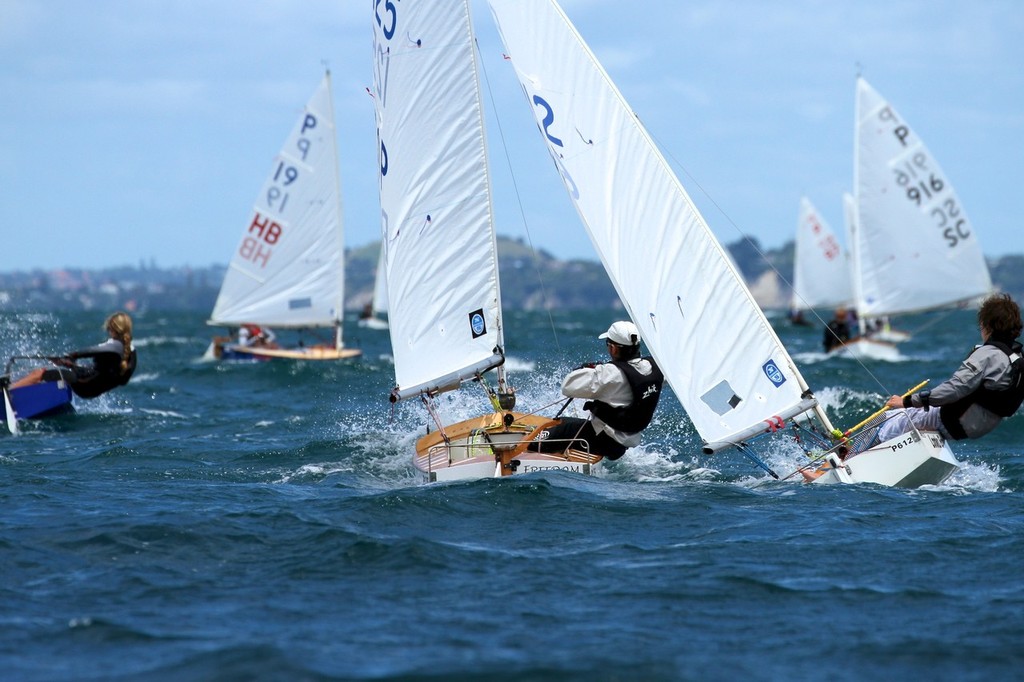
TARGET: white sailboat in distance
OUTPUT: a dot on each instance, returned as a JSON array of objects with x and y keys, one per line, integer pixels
[
  {"x": 288, "y": 270},
  {"x": 915, "y": 248},
  {"x": 821, "y": 267},
  {"x": 374, "y": 315}
]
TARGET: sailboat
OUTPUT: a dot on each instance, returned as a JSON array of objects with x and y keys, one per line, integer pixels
[
  {"x": 914, "y": 247},
  {"x": 439, "y": 245},
  {"x": 34, "y": 401},
  {"x": 719, "y": 353},
  {"x": 821, "y": 269},
  {"x": 374, "y": 317},
  {"x": 822, "y": 278},
  {"x": 288, "y": 270}
]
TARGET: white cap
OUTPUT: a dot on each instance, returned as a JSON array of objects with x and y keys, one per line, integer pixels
[{"x": 623, "y": 333}]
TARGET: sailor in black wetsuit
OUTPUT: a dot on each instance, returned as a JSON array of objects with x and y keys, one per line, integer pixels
[
  {"x": 621, "y": 396},
  {"x": 111, "y": 363},
  {"x": 986, "y": 388}
]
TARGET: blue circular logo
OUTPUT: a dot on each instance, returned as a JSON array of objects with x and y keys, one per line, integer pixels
[{"x": 477, "y": 323}]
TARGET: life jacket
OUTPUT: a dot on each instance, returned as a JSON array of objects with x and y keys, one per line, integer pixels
[
  {"x": 1003, "y": 402},
  {"x": 635, "y": 417}
]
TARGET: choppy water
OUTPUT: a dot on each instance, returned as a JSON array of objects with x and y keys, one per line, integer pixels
[{"x": 262, "y": 522}]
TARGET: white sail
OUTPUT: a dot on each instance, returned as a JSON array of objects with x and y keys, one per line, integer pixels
[
  {"x": 855, "y": 247},
  {"x": 288, "y": 269},
  {"x": 821, "y": 269},
  {"x": 919, "y": 251},
  {"x": 696, "y": 315},
  {"x": 436, "y": 217}
]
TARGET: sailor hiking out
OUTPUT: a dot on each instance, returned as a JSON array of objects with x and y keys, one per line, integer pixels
[{"x": 621, "y": 396}]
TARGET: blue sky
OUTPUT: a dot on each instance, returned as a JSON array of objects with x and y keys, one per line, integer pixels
[{"x": 140, "y": 130}]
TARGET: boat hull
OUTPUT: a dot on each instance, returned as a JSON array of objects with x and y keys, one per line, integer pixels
[
  {"x": 910, "y": 460},
  {"x": 236, "y": 352},
  {"x": 374, "y": 323},
  {"x": 492, "y": 446},
  {"x": 862, "y": 348},
  {"x": 37, "y": 401}
]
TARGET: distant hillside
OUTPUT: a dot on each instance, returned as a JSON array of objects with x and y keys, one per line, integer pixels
[{"x": 529, "y": 281}]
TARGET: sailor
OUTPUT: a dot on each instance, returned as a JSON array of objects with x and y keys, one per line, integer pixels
[
  {"x": 987, "y": 387},
  {"x": 110, "y": 364},
  {"x": 620, "y": 395},
  {"x": 253, "y": 335},
  {"x": 838, "y": 330}
]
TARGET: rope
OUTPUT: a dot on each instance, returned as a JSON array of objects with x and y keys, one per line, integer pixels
[{"x": 519, "y": 200}]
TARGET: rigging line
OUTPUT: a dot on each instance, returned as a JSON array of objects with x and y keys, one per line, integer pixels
[
  {"x": 750, "y": 242},
  {"x": 519, "y": 200},
  {"x": 933, "y": 322}
]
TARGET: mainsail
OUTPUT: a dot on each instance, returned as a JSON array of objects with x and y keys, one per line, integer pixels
[
  {"x": 719, "y": 353},
  {"x": 289, "y": 268},
  {"x": 821, "y": 270},
  {"x": 917, "y": 248},
  {"x": 436, "y": 217}
]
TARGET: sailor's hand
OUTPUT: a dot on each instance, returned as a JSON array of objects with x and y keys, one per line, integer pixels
[
  {"x": 587, "y": 365},
  {"x": 895, "y": 402}
]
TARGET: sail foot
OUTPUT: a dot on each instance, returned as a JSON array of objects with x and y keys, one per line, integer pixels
[
  {"x": 769, "y": 424},
  {"x": 449, "y": 381}
]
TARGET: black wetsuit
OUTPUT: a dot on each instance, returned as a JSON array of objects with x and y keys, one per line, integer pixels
[{"x": 101, "y": 375}]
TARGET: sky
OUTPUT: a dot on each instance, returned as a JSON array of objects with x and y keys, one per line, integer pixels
[{"x": 140, "y": 131}]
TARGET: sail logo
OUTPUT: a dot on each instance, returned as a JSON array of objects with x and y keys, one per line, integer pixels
[
  {"x": 774, "y": 374},
  {"x": 477, "y": 323}
]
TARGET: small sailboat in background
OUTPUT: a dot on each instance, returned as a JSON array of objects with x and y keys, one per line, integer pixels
[
  {"x": 373, "y": 316},
  {"x": 439, "y": 245},
  {"x": 861, "y": 343},
  {"x": 719, "y": 353},
  {"x": 914, "y": 247},
  {"x": 289, "y": 268},
  {"x": 821, "y": 268}
]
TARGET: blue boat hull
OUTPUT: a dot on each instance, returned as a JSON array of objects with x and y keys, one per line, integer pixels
[{"x": 40, "y": 400}]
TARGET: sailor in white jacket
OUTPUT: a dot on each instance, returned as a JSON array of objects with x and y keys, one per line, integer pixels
[{"x": 621, "y": 396}]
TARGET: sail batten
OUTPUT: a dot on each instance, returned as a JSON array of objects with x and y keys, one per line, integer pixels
[
  {"x": 292, "y": 245},
  {"x": 437, "y": 224},
  {"x": 719, "y": 353}
]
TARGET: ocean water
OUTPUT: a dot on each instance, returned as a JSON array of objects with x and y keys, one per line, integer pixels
[{"x": 216, "y": 521}]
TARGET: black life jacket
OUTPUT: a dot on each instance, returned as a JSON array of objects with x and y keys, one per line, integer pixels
[
  {"x": 1003, "y": 402},
  {"x": 635, "y": 417},
  {"x": 104, "y": 375}
]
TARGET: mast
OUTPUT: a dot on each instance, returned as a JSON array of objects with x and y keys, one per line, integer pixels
[{"x": 339, "y": 301}]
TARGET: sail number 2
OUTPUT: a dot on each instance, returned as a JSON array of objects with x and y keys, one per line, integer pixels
[{"x": 544, "y": 123}]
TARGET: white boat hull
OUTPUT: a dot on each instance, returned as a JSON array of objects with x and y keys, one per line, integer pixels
[
  {"x": 230, "y": 351},
  {"x": 910, "y": 460},
  {"x": 488, "y": 447},
  {"x": 373, "y": 323},
  {"x": 862, "y": 348},
  {"x": 891, "y": 335}
]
